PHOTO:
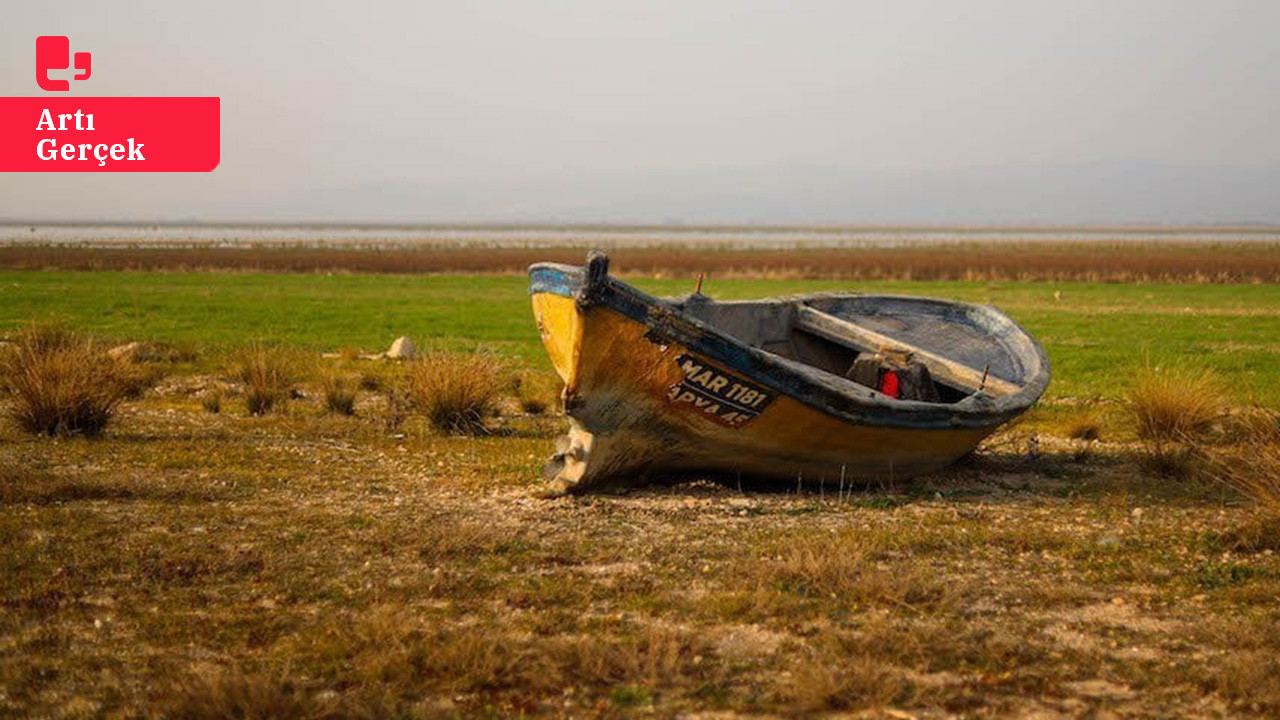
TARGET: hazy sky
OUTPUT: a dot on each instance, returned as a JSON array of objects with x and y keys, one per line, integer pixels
[{"x": 719, "y": 110}]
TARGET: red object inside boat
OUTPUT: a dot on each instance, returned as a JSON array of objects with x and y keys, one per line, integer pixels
[{"x": 889, "y": 383}]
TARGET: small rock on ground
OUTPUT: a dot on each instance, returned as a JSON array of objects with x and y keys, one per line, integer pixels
[{"x": 402, "y": 349}]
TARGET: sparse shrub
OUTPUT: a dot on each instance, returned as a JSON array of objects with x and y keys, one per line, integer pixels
[
  {"x": 1176, "y": 403},
  {"x": 339, "y": 395},
  {"x": 62, "y": 383},
  {"x": 267, "y": 372},
  {"x": 212, "y": 402},
  {"x": 456, "y": 392}
]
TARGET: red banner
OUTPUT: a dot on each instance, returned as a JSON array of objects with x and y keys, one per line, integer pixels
[{"x": 109, "y": 134}]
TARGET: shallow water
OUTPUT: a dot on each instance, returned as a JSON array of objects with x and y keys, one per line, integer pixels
[{"x": 762, "y": 237}]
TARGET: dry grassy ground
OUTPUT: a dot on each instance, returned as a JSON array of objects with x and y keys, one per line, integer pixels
[{"x": 196, "y": 565}]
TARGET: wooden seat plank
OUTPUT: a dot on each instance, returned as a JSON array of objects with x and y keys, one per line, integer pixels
[{"x": 946, "y": 370}]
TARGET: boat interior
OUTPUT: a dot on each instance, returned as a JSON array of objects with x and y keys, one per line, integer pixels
[{"x": 842, "y": 334}]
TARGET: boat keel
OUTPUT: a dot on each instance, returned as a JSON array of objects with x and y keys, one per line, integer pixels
[{"x": 585, "y": 461}]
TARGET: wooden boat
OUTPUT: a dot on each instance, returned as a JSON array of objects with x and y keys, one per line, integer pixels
[{"x": 759, "y": 390}]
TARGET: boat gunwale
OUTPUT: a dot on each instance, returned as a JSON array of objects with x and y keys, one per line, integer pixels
[{"x": 817, "y": 388}]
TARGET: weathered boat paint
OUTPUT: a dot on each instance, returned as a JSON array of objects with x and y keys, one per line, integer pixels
[{"x": 651, "y": 390}]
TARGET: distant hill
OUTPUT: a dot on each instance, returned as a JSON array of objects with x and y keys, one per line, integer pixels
[
  {"x": 1115, "y": 192},
  {"x": 1102, "y": 193}
]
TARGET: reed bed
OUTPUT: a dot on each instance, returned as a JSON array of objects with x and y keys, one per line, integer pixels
[{"x": 1101, "y": 261}]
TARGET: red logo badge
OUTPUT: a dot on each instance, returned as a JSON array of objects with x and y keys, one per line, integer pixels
[
  {"x": 103, "y": 134},
  {"x": 53, "y": 52}
]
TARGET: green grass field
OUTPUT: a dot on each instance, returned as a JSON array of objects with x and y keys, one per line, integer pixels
[{"x": 1096, "y": 334}]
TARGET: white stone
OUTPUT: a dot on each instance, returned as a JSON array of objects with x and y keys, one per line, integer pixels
[
  {"x": 402, "y": 349},
  {"x": 128, "y": 352}
]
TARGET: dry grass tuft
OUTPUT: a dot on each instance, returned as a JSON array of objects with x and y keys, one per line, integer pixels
[
  {"x": 1174, "y": 461},
  {"x": 372, "y": 380},
  {"x": 468, "y": 541},
  {"x": 267, "y": 372},
  {"x": 1251, "y": 678},
  {"x": 1256, "y": 535},
  {"x": 1257, "y": 475},
  {"x": 456, "y": 392},
  {"x": 652, "y": 658},
  {"x": 1176, "y": 403},
  {"x": 843, "y": 567},
  {"x": 1252, "y": 468},
  {"x": 228, "y": 695},
  {"x": 1086, "y": 425},
  {"x": 855, "y": 683},
  {"x": 62, "y": 383},
  {"x": 396, "y": 406},
  {"x": 212, "y": 402},
  {"x": 1250, "y": 675},
  {"x": 1251, "y": 424},
  {"x": 184, "y": 351},
  {"x": 391, "y": 649},
  {"x": 138, "y": 378},
  {"x": 339, "y": 394}
]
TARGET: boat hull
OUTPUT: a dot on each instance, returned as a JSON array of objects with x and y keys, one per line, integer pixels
[{"x": 643, "y": 405}]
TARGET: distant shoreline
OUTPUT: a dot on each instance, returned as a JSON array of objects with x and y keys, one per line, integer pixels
[{"x": 524, "y": 235}]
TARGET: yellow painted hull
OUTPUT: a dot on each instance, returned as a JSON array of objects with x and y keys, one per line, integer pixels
[{"x": 637, "y": 412}]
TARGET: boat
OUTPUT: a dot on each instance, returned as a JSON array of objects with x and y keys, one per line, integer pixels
[{"x": 807, "y": 389}]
